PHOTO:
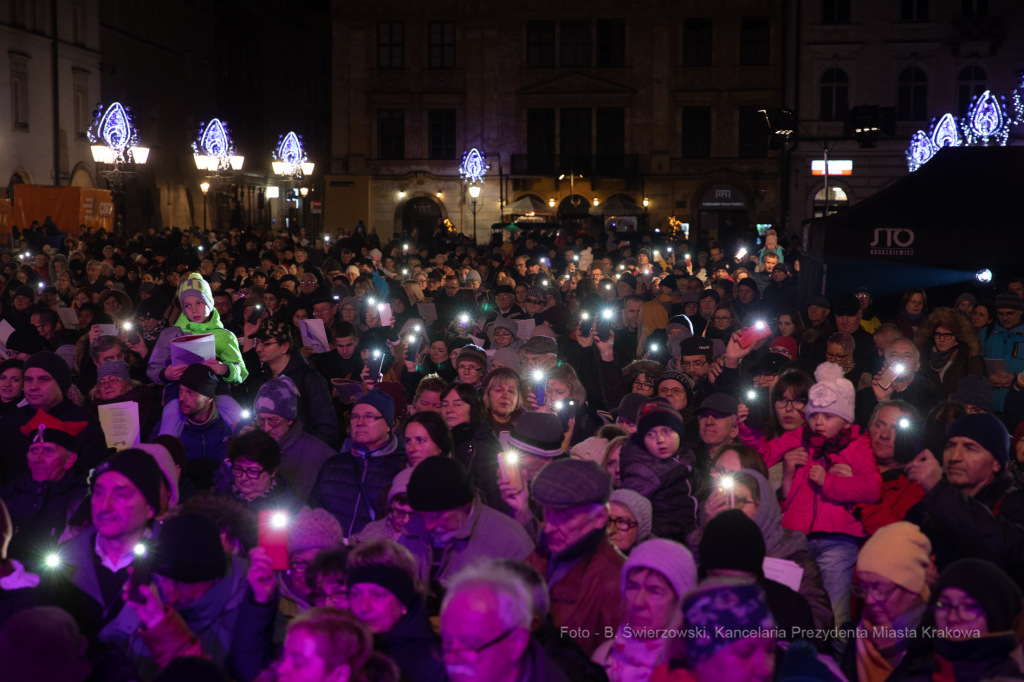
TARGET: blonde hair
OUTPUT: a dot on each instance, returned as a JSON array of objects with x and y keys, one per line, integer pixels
[
  {"x": 343, "y": 640},
  {"x": 414, "y": 291},
  {"x": 503, "y": 375},
  {"x": 567, "y": 375}
]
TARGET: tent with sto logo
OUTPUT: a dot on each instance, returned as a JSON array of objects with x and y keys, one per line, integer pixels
[{"x": 961, "y": 212}]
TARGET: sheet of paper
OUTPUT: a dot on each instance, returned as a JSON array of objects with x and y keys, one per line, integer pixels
[
  {"x": 386, "y": 316},
  {"x": 477, "y": 340},
  {"x": 995, "y": 366},
  {"x": 108, "y": 329},
  {"x": 784, "y": 571},
  {"x": 349, "y": 391},
  {"x": 120, "y": 423},
  {"x": 428, "y": 311},
  {"x": 5, "y": 331},
  {"x": 525, "y": 328},
  {"x": 314, "y": 335},
  {"x": 68, "y": 318},
  {"x": 193, "y": 350}
]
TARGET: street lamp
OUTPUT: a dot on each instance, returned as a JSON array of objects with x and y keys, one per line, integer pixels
[
  {"x": 474, "y": 193},
  {"x": 115, "y": 149},
  {"x": 205, "y": 186}
]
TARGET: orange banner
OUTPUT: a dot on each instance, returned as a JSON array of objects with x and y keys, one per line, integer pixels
[{"x": 68, "y": 207}]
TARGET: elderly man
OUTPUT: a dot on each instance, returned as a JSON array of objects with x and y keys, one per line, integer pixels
[
  {"x": 969, "y": 508},
  {"x": 350, "y": 484},
  {"x": 899, "y": 494},
  {"x": 541, "y": 353},
  {"x": 1002, "y": 342},
  {"x": 716, "y": 418},
  {"x": 892, "y": 569},
  {"x": 199, "y": 425},
  {"x": 41, "y": 501},
  {"x": 114, "y": 384},
  {"x": 46, "y": 383},
  {"x": 93, "y": 566},
  {"x": 276, "y": 349},
  {"x": 451, "y": 528},
  {"x": 485, "y": 629},
  {"x": 904, "y": 359},
  {"x": 581, "y": 566},
  {"x": 302, "y": 454},
  {"x": 818, "y": 326}
]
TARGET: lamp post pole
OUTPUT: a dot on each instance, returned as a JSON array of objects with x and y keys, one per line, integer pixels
[
  {"x": 474, "y": 193},
  {"x": 205, "y": 186}
]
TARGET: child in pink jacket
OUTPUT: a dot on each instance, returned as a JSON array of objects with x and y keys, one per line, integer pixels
[{"x": 829, "y": 467}]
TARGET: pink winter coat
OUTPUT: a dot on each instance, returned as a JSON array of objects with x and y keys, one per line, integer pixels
[{"x": 811, "y": 508}]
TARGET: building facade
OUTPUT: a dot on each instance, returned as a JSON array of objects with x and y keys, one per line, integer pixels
[
  {"x": 572, "y": 103},
  {"x": 925, "y": 58},
  {"x": 35, "y": 150}
]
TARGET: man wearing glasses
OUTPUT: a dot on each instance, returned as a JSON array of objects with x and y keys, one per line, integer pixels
[
  {"x": 695, "y": 359},
  {"x": 350, "y": 484},
  {"x": 272, "y": 345}
]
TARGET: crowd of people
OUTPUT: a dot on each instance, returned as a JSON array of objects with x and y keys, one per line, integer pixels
[{"x": 257, "y": 455}]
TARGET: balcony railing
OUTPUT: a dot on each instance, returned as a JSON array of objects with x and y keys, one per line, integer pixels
[{"x": 610, "y": 166}]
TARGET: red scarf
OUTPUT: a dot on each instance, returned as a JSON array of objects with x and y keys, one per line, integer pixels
[{"x": 825, "y": 448}]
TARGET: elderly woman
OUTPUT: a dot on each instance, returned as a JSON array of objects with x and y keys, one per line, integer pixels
[
  {"x": 640, "y": 376},
  {"x": 503, "y": 334},
  {"x": 654, "y": 580},
  {"x": 839, "y": 351},
  {"x": 471, "y": 364},
  {"x": 629, "y": 519},
  {"x": 252, "y": 464},
  {"x": 506, "y": 358},
  {"x": 310, "y": 532},
  {"x": 564, "y": 394},
  {"x": 503, "y": 399},
  {"x": 115, "y": 385},
  {"x": 950, "y": 350},
  {"x": 384, "y": 595},
  {"x": 117, "y": 304}
]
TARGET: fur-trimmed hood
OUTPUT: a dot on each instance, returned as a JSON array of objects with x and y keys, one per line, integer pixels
[{"x": 952, "y": 320}]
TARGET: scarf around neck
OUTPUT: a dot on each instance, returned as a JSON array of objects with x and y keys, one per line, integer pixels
[{"x": 825, "y": 448}]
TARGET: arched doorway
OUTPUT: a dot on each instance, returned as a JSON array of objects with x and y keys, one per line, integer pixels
[
  {"x": 574, "y": 212},
  {"x": 422, "y": 213},
  {"x": 838, "y": 200},
  {"x": 16, "y": 179},
  {"x": 723, "y": 212},
  {"x": 81, "y": 177}
]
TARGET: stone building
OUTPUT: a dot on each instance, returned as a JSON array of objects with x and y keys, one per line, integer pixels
[{"x": 653, "y": 104}]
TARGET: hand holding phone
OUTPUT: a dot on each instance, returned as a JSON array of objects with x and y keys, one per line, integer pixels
[
  {"x": 751, "y": 335},
  {"x": 255, "y": 314},
  {"x": 508, "y": 468},
  {"x": 540, "y": 382},
  {"x": 142, "y": 574},
  {"x": 273, "y": 538},
  {"x": 891, "y": 373}
]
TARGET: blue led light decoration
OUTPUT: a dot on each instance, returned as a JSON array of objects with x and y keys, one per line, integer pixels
[
  {"x": 114, "y": 136},
  {"x": 214, "y": 150},
  {"x": 986, "y": 120},
  {"x": 290, "y": 157},
  {"x": 920, "y": 152},
  {"x": 946, "y": 133},
  {"x": 474, "y": 166},
  {"x": 1017, "y": 97}
]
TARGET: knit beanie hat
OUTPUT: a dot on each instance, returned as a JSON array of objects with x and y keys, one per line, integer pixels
[
  {"x": 986, "y": 430},
  {"x": 679, "y": 377},
  {"x": 201, "y": 379},
  {"x": 139, "y": 467},
  {"x": 507, "y": 358},
  {"x": 382, "y": 402},
  {"x": 988, "y": 585},
  {"x": 628, "y": 278},
  {"x": 970, "y": 298},
  {"x": 278, "y": 396},
  {"x": 400, "y": 484},
  {"x": 784, "y": 345},
  {"x": 974, "y": 390},
  {"x": 629, "y": 406},
  {"x": 899, "y": 552},
  {"x": 26, "y": 291},
  {"x": 25, "y": 340},
  {"x": 1008, "y": 300},
  {"x": 732, "y": 541},
  {"x": 114, "y": 368},
  {"x": 725, "y": 608},
  {"x": 641, "y": 509},
  {"x": 558, "y": 317},
  {"x": 833, "y": 394},
  {"x": 669, "y": 558},
  {"x": 166, "y": 463},
  {"x": 54, "y": 365},
  {"x": 440, "y": 484},
  {"x": 314, "y": 529},
  {"x": 658, "y": 412},
  {"x": 194, "y": 286},
  {"x": 189, "y": 550},
  {"x": 591, "y": 449}
]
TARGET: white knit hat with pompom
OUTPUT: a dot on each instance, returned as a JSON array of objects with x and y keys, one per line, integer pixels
[{"x": 833, "y": 394}]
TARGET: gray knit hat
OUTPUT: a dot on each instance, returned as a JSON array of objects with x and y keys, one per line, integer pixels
[
  {"x": 970, "y": 298},
  {"x": 974, "y": 390},
  {"x": 570, "y": 483},
  {"x": 540, "y": 345},
  {"x": 629, "y": 406},
  {"x": 641, "y": 509},
  {"x": 669, "y": 558},
  {"x": 314, "y": 529},
  {"x": 278, "y": 396}
]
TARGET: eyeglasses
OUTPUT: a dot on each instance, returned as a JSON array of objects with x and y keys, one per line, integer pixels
[
  {"x": 674, "y": 392},
  {"x": 264, "y": 342},
  {"x": 398, "y": 513},
  {"x": 272, "y": 422},
  {"x": 622, "y": 523},
  {"x": 785, "y": 403},
  {"x": 643, "y": 385},
  {"x": 943, "y": 336},
  {"x": 694, "y": 364},
  {"x": 238, "y": 472},
  {"x": 964, "y": 610},
  {"x": 364, "y": 419},
  {"x": 109, "y": 381},
  {"x": 535, "y": 301},
  {"x": 834, "y": 357},
  {"x": 879, "y": 593},
  {"x": 472, "y": 653},
  {"x": 723, "y": 318}
]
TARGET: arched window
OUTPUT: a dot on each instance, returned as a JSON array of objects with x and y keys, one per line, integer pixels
[
  {"x": 837, "y": 201},
  {"x": 835, "y": 86},
  {"x": 912, "y": 103},
  {"x": 971, "y": 84}
]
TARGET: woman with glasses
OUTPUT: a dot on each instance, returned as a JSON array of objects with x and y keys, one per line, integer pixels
[
  {"x": 640, "y": 376},
  {"x": 950, "y": 350},
  {"x": 913, "y": 308},
  {"x": 384, "y": 594},
  {"x": 114, "y": 384},
  {"x": 839, "y": 351},
  {"x": 788, "y": 402},
  {"x": 629, "y": 519},
  {"x": 977, "y": 610},
  {"x": 723, "y": 322},
  {"x": 399, "y": 513},
  {"x": 252, "y": 463},
  {"x": 749, "y": 491}
]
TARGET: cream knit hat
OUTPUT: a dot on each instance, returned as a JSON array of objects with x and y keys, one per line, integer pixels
[{"x": 899, "y": 552}]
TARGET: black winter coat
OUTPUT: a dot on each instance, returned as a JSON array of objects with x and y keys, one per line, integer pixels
[
  {"x": 670, "y": 484},
  {"x": 412, "y": 645},
  {"x": 477, "y": 448},
  {"x": 350, "y": 484},
  {"x": 40, "y": 512}
]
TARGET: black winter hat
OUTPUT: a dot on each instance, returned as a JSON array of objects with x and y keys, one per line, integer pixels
[
  {"x": 732, "y": 541},
  {"x": 200, "y": 379},
  {"x": 139, "y": 467},
  {"x": 439, "y": 484},
  {"x": 54, "y": 365},
  {"x": 994, "y": 591},
  {"x": 189, "y": 549}
]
